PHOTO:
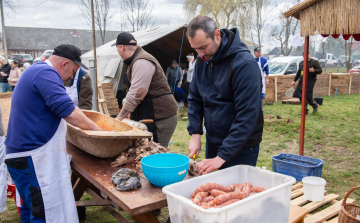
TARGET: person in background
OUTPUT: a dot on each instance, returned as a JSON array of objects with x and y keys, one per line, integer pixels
[
  {"x": 4, "y": 74},
  {"x": 14, "y": 75},
  {"x": 36, "y": 155},
  {"x": 80, "y": 89},
  {"x": 314, "y": 69},
  {"x": 225, "y": 92},
  {"x": 149, "y": 95},
  {"x": 3, "y": 169},
  {"x": 264, "y": 68},
  {"x": 26, "y": 65},
  {"x": 190, "y": 72},
  {"x": 174, "y": 76}
]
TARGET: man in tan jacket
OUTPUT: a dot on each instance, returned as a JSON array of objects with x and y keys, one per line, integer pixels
[{"x": 149, "y": 95}]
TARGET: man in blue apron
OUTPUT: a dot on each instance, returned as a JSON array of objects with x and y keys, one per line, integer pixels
[
  {"x": 3, "y": 172},
  {"x": 36, "y": 139}
]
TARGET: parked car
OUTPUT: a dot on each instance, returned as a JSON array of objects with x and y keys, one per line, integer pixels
[
  {"x": 329, "y": 59},
  {"x": 22, "y": 58},
  {"x": 355, "y": 69},
  {"x": 287, "y": 65},
  {"x": 45, "y": 55}
]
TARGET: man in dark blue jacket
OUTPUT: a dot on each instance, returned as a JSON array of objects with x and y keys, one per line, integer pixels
[{"x": 226, "y": 92}]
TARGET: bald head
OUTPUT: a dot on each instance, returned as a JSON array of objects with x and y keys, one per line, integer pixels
[
  {"x": 65, "y": 67},
  {"x": 3, "y": 62}
]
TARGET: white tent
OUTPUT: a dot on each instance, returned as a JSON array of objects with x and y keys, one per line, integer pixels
[{"x": 164, "y": 43}]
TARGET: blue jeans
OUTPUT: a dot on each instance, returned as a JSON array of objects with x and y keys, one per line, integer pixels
[
  {"x": 247, "y": 156},
  {"x": 29, "y": 190},
  {"x": 5, "y": 87}
]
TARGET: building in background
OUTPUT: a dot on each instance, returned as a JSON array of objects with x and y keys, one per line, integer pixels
[{"x": 34, "y": 41}]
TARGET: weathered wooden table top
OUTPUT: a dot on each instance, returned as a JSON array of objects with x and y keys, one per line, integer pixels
[{"x": 98, "y": 172}]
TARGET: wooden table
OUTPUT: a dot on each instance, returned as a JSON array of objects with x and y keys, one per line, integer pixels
[{"x": 93, "y": 175}]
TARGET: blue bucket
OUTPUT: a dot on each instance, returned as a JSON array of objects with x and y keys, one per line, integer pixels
[{"x": 165, "y": 168}]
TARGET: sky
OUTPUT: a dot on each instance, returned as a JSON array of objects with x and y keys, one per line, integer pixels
[{"x": 65, "y": 14}]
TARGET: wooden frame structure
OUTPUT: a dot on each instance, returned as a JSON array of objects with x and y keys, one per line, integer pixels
[{"x": 325, "y": 17}]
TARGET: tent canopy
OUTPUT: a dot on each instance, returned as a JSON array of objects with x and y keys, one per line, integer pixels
[{"x": 163, "y": 43}]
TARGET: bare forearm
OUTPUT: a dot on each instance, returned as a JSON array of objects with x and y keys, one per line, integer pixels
[{"x": 78, "y": 119}]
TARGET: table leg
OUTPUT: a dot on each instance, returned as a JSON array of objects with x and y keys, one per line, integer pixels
[
  {"x": 168, "y": 221},
  {"x": 74, "y": 178},
  {"x": 146, "y": 218},
  {"x": 79, "y": 189}
]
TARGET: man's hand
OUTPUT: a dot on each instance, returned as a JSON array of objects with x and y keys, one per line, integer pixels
[
  {"x": 293, "y": 83},
  {"x": 312, "y": 70},
  {"x": 195, "y": 145},
  {"x": 207, "y": 165},
  {"x": 123, "y": 114},
  {"x": 267, "y": 79},
  {"x": 3, "y": 74}
]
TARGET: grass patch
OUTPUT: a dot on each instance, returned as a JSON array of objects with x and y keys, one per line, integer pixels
[{"x": 332, "y": 134}]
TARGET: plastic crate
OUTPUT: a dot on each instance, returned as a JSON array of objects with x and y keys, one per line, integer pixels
[
  {"x": 297, "y": 166},
  {"x": 270, "y": 206}
]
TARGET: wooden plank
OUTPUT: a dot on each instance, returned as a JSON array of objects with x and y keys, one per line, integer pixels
[
  {"x": 275, "y": 89},
  {"x": 297, "y": 193},
  {"x": 315, "y": 204},
  {"x": 335, "y": 220},
  {"x": 297, "y": 214},
  {"x": 146, "y": 218},
  {"x": 94, "y": 203},
  {"x": 296, "y": 186},
  {"x": 327, "y": 213},
  {"x": 350, "y": 84},
  {"x": 329, "y": 84},
  {"x": 301, "y": 200}
]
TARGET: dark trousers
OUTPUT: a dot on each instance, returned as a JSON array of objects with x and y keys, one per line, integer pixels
[
  {"x": 312, "y": 102},
  {"x": 247, "y": 156},
  {"x": 26, "y": 183}
]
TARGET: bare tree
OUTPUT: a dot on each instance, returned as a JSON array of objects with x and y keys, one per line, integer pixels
[
  {"x": 136, "y": 15},
  {"x": 102, "y": 14},
  {"x": 226, "y": 13},
  {"x": 282, "y": 31},
  {"x": 257, "y": 25}
]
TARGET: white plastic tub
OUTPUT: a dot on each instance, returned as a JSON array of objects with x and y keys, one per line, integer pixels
[
  {"x": 270, "y": 206},
  {"x": 314, "y": 188}
]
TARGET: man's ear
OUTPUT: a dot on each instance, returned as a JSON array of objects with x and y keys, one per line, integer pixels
[
  {"x": 217, "y": 34},
  {"x": 64, "y": 64}
]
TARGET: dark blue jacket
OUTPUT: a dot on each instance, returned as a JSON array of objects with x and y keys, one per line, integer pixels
[{"x": 226, "y": 92}]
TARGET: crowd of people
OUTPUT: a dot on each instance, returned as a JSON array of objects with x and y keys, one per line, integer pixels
[{"x": 224, "y": 85}]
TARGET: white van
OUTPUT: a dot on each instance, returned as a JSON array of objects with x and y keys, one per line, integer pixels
[{"x": 287, "y": 65}]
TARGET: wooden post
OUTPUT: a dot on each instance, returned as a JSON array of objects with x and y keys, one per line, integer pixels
[
  {"x": 329, "y": 84},
  {"x": 338, "y": 66},
  {"x": 325, "y": 65},
  {"x": 350, "y": 84},
  {"x": 94, "y": 45},
  {"x": 303, "y": 98},
  {"x": 275, "y": 89}
]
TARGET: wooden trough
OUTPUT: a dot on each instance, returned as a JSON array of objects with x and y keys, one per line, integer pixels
[{"x": 115, "y": 138}]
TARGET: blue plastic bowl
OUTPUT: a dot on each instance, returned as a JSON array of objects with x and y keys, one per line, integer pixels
[{"x": 165, "y": 168}]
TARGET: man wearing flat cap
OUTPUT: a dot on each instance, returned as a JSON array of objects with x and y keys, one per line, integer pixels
[
  {"x": 149, "y": 95},
  {"x": 36, "y": 139}
]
